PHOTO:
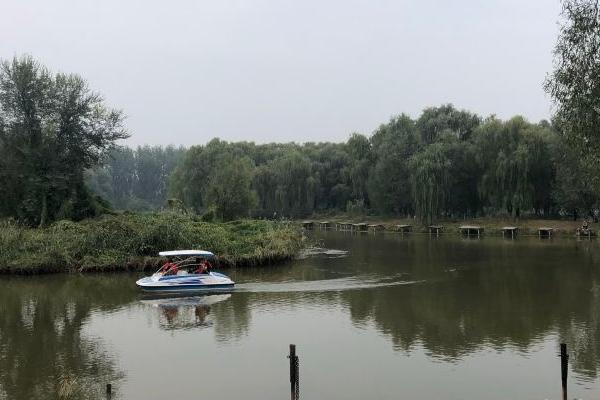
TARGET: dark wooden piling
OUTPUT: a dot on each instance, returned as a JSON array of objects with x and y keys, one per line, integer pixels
[
  {"x": 294, "y": 374},
  {"x": 564, "y": 368},
  {"x": 108, "y": 391}
]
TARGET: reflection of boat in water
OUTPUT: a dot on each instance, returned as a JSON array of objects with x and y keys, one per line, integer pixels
[
  {"x": 186, "y": 271},
  {"x": 187, "y": 301},
  {"x": 184, "y": 312}
]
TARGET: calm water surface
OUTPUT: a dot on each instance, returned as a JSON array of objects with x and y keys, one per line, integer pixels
[{"x": 397, "y": 317}]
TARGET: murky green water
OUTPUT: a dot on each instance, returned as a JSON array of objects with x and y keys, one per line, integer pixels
[{"x": 398, "y": 317}]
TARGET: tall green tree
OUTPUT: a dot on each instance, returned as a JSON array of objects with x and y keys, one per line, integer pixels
[
  {"x": 52, "y": 129},
  {"x": 229, "y": 189},
  {"x": 430, "y": 178},
  {"x": 436, "y": 122},
  {"x": 574, "y": 84},
  {"x": 389, "y": 178},
  {"x": 516, "y": 164}
]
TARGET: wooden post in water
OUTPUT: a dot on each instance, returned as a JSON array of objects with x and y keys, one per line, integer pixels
[
  {"x": 108, "y": 391},
  {"x": 564, "y": 368},
  {"x": 293, "y": 377}
]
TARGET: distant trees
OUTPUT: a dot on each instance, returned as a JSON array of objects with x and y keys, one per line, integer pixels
[
  {"x": 135, "y": 179},
  {"x": 447, "y": 163},
  {"x": 57, "y": 141},
  {"x": 229, "y": 189},
  {"x": 52, "y": 128}
]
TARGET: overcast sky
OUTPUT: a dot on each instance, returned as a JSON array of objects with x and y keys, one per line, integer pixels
[{"x": 187, "y": 71}]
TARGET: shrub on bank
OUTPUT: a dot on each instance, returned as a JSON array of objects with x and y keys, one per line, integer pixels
[{"x": 132, "y": 241}]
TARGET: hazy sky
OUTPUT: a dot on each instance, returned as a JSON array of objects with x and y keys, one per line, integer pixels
[{"x": 187, "y": 71}]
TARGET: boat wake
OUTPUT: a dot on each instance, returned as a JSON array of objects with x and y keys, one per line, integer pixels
[
  {"x": 322, "y": 252},
  {"x": 326, "y": 285}
]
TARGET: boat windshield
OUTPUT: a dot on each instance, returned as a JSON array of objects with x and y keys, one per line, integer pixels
[{"x": 185, "y": 266}]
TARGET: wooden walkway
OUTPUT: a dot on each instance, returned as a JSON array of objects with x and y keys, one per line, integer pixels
[
  {"x": 324, "y": 224},
  {"x": 512, "y": 230},
  {"x": 404, "y": 228},
  {"x": 545, "y": 231},
  {"x": 471, "y": 230},
  {"x": 435, "y": 229}
]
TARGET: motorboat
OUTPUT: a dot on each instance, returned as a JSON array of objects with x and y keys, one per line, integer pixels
[{"x": 186, "y": 271}]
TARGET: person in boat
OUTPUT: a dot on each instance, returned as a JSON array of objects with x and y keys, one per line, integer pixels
[
  {"x": 170, "y": 268},
  {"x": 204, "y": 266}
]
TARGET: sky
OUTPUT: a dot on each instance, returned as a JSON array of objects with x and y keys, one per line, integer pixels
[{"x": 186, "y": 71}]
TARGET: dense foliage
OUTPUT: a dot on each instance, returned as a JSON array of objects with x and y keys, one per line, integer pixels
[
  {"x": 57, "y": 141},
  {"x": 448, "y": 162},
  {"x": 52, "y": 128},
  {"x": 132, "y": 241},
  {"x": 575, "y": 82}
]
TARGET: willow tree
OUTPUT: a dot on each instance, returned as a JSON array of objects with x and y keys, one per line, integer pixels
[
  {"x": 229, "y": 189},
  {"x": 389, "y": 177},
  {"x": 516, "y": 165},
  {"x": 430, "y": 181},
  {"x": 52, "y": 128},
  {"x": 574, "y": 83}
]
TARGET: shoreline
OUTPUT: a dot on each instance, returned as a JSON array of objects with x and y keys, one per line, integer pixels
[
  {"x": 131, "y": 242},
  {"x": 490, "y": 226}
]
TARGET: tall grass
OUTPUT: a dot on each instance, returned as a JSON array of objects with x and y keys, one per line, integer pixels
[{"x": 132, "y": 241}]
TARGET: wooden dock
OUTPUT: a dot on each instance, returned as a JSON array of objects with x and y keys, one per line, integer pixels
[
  {"x": 360, "y": 227},
  {"x": 343, "y": 226},
  {"x": 376, "y": 227},
  {"x": 324, "y": 225},
  {"x": 585, "y": 232},
  {"x": 545, "y": 231},
  {"x": 512, "y": 230},
  {"x": 308, "y": 224},
  {"x": 404, "y": 228},
  {"x": 471, "y": 230},
  {"x": 435, "y": 229}
]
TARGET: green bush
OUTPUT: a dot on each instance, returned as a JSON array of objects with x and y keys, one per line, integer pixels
[{"x": 132, "y": 241}]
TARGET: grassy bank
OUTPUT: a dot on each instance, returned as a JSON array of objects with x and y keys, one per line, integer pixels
[
  {"x": 492, "y": 226},
  {"x": 132, "y": 241}
]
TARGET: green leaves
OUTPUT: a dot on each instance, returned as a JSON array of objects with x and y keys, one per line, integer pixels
[
  {"x": 52, "y": 129},
  {"x": 574, "y": 84}
]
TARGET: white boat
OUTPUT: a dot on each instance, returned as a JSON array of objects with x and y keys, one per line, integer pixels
[{"x": 186, "y": 271}]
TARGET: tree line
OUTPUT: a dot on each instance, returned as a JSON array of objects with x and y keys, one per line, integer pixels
[
  {"x": 446, "y": 163},
  {"x": 59, "y": 159}
]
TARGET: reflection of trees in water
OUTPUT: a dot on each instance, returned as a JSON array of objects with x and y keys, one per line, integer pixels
[
  {"x": 232, "y": 318},
  {"x": 43, "y": 353},
  {"x": 517, "y": 303},
  {"x": 583, "y": 335}
]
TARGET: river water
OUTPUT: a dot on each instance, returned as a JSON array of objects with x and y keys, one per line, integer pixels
[{"x": 394, "y": 317}]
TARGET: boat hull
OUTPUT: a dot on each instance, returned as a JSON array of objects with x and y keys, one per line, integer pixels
[{"x": 213, "y": 282}]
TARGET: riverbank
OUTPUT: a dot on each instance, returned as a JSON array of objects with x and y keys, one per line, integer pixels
[
  {"x": 491, "y": 226},
  {"x": 130, "y": 242}
]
